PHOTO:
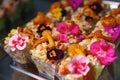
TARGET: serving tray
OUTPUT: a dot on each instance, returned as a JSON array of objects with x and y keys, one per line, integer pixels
[{"x": 31, "y": 71}]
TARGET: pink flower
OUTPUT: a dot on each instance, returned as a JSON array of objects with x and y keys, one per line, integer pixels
[
  {"x": 113, "y": 31},
  {"x": 62, "y": 27},
  {"x": 104, "y": 52},
  {"x": 80, "y": 36},
  {"x": 74, "y": 29},
  {"x": 79, "y": 66},
  {"x": 63, "y": 37},
  {"x": 74, "y": 3},
  {"x": 18, "y": 42}
]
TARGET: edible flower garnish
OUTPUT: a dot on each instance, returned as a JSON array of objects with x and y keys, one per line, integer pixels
[
  {"x": 104, "y": 52},
  {"x": 18, "y": 42},
  {"x": 74, "y": 3},
  {"x": 79, "y": 66},
  {"x": 57, "y": 12},
  {"x": 74, "y": 29},
  {"x": 113, "y": 31},
  {"x": 71, "y": 29},
  {"x": 63, "y": 37},
  {"x": 66, "y": 30},
  {"x": 55, "y": 54},
  {"x": 96, "y": 7},
  {"x": 76, "y": 49},
  {"x": 62, "y": 27}
]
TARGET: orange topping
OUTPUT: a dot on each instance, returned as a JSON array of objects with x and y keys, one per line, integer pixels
[
  {"x": 63, "y": 69},
  {"x": 108, "y": 21},
  {"x": 115, "y": 12},
  {"x": 47, "y": 20},
  {"x": 88, "y": 12},
  {"x": 118, "y": 20},
  {"x": 39, "y": 18},
  {"x": 39, "y": 41},
  {"x": 29, "y": 33},
  {"x": 98, "y": 34},
  {"x": 98, "y": 1},
  {"x": 55, "y": 5}
]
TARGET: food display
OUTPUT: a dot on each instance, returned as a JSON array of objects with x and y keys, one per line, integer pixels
[
  {"x": 74, "y": 40},
  {"x": 18, "y": 44}
]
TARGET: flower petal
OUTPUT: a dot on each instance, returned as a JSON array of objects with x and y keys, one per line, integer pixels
[
  {"x": 79, "y": 66},
  {"x": 19, "y": 47}
]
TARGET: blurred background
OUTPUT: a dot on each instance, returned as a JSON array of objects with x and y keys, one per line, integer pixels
[{"x": 15, "y": 13}]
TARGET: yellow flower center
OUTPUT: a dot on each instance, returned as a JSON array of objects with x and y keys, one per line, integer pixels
[
  {"x": 52, "y": 54},
  {"x": 57, "y": 12}
]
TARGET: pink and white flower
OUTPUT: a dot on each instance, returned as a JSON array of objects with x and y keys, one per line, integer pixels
[
  {"x": 104, "y": 52},
  {"x": 18, "y": 42},
  {"x": 79, "y": 66}
]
